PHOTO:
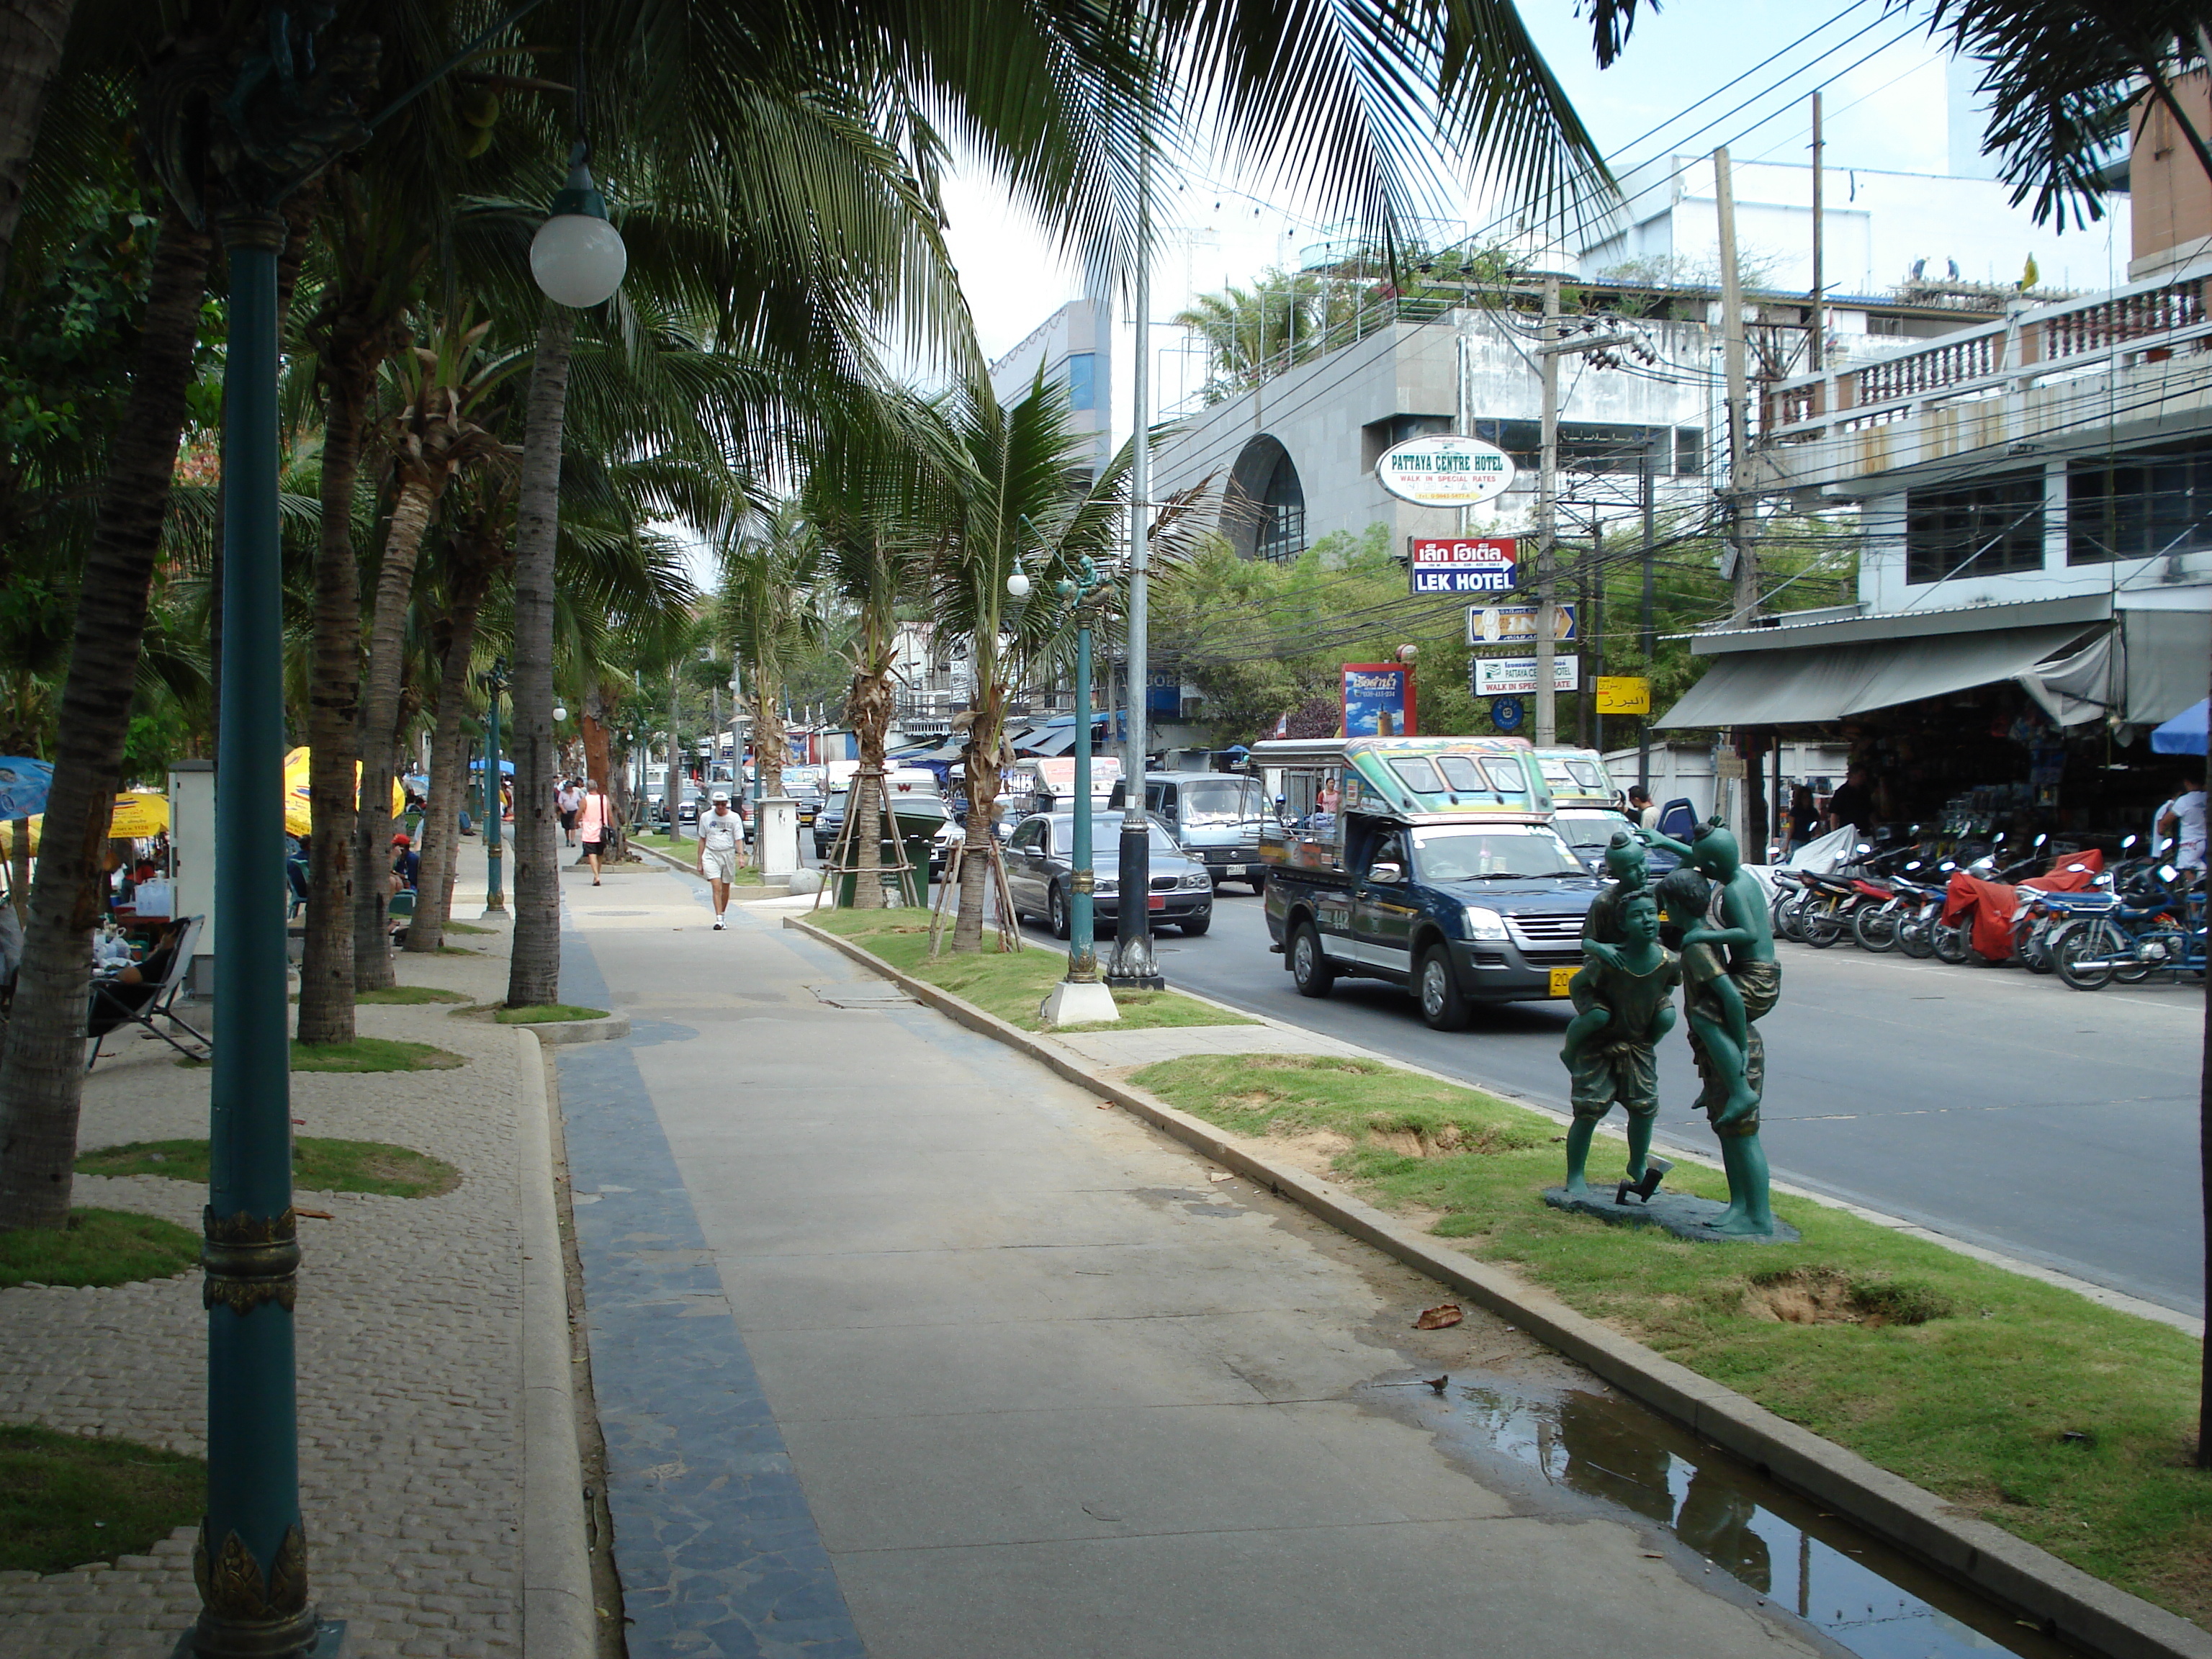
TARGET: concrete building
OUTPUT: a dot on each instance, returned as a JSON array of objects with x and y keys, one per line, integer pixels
[{"x": 1075, "y": 347}]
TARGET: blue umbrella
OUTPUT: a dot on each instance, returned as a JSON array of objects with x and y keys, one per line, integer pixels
[
  {"x": 2182, "y": 735},
  {"x": 505, "y": 767},
  {"x": 23, "y": 786}
]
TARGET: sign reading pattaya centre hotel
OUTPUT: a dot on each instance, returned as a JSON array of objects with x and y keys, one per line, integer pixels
[{"x": 1444, "y": 471}]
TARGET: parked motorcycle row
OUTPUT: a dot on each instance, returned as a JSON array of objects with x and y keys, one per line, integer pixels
[{"x": 2060, "y": 908}]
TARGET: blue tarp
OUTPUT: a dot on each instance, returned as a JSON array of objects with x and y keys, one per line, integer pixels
[
  {"x": 505, "y": 767},
  {"x": 23, "y": 786},
  {"x": 2182, "y": 735}
]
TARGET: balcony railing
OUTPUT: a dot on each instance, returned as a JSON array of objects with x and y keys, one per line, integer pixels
[{"x": 2148, "y": 323}]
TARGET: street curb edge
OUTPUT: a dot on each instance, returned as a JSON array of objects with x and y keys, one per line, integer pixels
[
  {"x": 2064, "y": 1601},
  {"x": 557, "y": 1622}
]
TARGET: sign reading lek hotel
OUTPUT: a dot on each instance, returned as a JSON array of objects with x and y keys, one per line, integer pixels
[{"x": 1461, "y": 564}]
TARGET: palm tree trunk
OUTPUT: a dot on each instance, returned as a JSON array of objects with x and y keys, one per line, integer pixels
[
  {"x": 31, "y": 36},
  {"x": 42, "y": 1065},
  {"x": 19, "y": 869},
  {"x": 534, "y": 969},
  {"x": 326, "y": 984},
  {"x": 981, "y": 759},
  {"x": 379, "y": 737},
  {"x": 869, "y": 709},
  {"x": 441, "y": 827}
]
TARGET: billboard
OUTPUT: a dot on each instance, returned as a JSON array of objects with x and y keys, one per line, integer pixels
[
  {"x": 1515, "y": 677},
  {"x": 1515, "y": 624},
  {"x": 1443, "y": 471},
  {"x": 1378, "y": 700},
  {"x": 1461, "y": 564}
]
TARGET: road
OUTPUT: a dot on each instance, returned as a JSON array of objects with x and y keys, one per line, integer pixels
[{"x": 1994, "y": 1107}]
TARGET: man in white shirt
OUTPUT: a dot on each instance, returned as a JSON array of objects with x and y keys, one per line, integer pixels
[
  {"x": 2184, "y": 820},
  {"x": 568, "y": 799},
  {"x": 721, "y": 844}
]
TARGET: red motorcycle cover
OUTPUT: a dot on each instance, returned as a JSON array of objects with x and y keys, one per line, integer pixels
[{"x": 1993, "y": 902}]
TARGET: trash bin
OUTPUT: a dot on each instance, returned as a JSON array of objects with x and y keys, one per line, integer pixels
[{"x": 917, "y": 833}]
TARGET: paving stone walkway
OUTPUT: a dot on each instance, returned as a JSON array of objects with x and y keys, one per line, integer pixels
[{"x": 410, "y": 1344}]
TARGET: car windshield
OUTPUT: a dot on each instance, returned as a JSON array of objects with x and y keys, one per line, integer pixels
[
  {"x": 1591, "y": 831},
  {"x": 1491, "y": 854},
  {"x": 1106, "y": 835},
  {"x": 1232, "y": 800}
]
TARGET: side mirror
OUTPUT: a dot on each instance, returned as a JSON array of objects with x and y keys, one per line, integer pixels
[
  {"x": 1385, "y": 872},
  {"x": 1865, "y": 847},
  {"x": 2039, "y": 840},
  {"x": 2167, "y": 872},
  {"x": 2126, "y": 841}
]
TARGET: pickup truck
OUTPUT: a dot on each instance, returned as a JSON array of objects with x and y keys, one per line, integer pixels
[{"x": 1429, "y": 862}]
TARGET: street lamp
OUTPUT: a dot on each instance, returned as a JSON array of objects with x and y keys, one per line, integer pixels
[{"x": 290, "y": 113}]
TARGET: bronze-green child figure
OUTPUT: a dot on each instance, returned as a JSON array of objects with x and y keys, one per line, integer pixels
[
  {"x": 1731, "y": 979},
  {"x": 1625, "y": 992}
]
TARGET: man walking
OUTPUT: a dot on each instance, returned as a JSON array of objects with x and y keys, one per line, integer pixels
[
  {"x": 2183, "y": 819},
  {"x": 568, "y": 799},
  {"x": 721, "y": 844}
]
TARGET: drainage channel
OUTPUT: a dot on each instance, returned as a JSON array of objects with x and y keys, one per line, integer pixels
[{"x": 1570, "y": 1451}]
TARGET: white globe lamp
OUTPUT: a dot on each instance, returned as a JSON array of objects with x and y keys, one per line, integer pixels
[
  {"x": 1017, "y": 586},
  {"x": 560, "y": 713},
  {"x": 577, "y": 257}
]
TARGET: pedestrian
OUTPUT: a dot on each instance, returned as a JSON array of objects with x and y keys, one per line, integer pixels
[
  {"x": 406, "y": 863},
  {"x": 721, "y": 844},
  {"x": 1642, "y": 808},
  {"x": 2184, "y": 820},
  {"x": 569, "y": 800},
  {"x": 595, "y": 823},
  {"x": 1804, "y": 818},
  {"x": 1853, "y": 804}
]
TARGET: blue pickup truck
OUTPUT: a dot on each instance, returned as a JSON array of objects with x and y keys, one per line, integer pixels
[{"x": 1429, "y": 862}]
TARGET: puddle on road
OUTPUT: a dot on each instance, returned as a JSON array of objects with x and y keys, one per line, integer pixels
[{"x": 1575, "y": 1451}]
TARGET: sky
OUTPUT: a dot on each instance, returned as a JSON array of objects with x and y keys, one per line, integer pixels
[{"x": 1884, "y": 109}]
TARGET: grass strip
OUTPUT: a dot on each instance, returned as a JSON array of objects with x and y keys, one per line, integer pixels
[
  {"x": 1009, "y": 984},
  {"x": 407, "y": 996},
  {"x": 319, "y": 1165},
  {"x": 2068, "y": 1423},
  {"x": 468, "y": 927},
  {"x": 546, "y": 1013},
  {"x": 67, "y": 1500},
  {"x": 371, "y": 1054},
  {"x": 98, "y": 1247}
]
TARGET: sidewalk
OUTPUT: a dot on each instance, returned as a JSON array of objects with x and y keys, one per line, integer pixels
[
  {"x": 903, "y": 1347},
  {"x": 409, "y": 1356}
]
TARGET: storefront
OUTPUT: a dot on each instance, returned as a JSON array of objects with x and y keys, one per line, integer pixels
[{"x": 2025, "y": 718}]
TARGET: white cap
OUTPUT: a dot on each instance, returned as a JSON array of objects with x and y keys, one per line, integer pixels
[{"x": 720, "y": 796}]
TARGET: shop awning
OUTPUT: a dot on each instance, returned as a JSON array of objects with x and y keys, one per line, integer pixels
[{"x": 1795, "y": 686}]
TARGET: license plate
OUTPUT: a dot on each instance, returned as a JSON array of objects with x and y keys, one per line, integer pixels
[
  {"x": 1233, "y": 870},
  {"x": 1156, "y": 902},
  {"x": 1560, "y": 976}
]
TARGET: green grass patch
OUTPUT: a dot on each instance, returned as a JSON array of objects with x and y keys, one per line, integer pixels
[
  {"x": 687, "y": 851},
  {"x": 456, "y": 951},
  {"x": 547, "y": 1013},
  {"x": 318, "y": 1165},
  {"x": 98, "y": 1247},
  {"x": 468, "y": 927},
  {"x": 2068, "y": 1423},
  {"x": 371, "y": 1054},
  {"x": 68, "y": 1499},
  {"x": 1009, "y": 984},
  {"x": 408, "y": 996}
]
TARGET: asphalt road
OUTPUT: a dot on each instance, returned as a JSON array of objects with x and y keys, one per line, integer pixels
[{"x": 2004, "y": 1110}]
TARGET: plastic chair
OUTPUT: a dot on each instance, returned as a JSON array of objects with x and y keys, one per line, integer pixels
[{"x": 114, "y": 1006}]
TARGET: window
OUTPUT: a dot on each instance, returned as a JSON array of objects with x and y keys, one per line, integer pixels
[
  {"x": 1282, "y": 535},
  {"x": 1232, "y": 800},
  {"x": 2141, "y": 506},
  {"x": 1981, "y": 529},
  {"x": 1082, "y": 380},
  {"x": 1376, "y": 436},
  {"x": 1594, "y": 445},
  {"x": 1506, "y": 775},
  {"x": 1028, "y": 836}
]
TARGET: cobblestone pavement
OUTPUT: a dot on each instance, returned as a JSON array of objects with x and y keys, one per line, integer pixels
[{"x": 410, "y": 1345}]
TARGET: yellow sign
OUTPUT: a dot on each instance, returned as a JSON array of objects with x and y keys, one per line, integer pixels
[
  {"x": 1623, "y": 694},
  {"x": 1560, "y": 978}
]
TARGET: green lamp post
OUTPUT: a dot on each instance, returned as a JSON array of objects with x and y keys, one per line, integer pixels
[{"x": 291, "y": 111}]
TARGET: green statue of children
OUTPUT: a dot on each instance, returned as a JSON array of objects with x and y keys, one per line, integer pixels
[
  {"x": 1625, "y": 861},
  {"x": 1624, "y": 995},
  {"x": 1731, "y": 979}
]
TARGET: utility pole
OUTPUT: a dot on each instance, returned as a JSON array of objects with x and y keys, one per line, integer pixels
[
  {"x": 1592, "y": 620},
  {"x": 1547, "y": 486},
  {"x": 1818, "y": 343},
  {"x": 1134, "y": 963},
  {"x": 672, "y": 792},
  {"x": 1746, "y": 570},
  {"x": 1648, "y": 637}
]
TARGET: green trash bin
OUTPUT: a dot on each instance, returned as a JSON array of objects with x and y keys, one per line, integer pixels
[{"x": 917, "y": 832}]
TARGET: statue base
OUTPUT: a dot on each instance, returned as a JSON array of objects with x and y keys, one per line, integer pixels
[{"x": 1675, "y": 1213}]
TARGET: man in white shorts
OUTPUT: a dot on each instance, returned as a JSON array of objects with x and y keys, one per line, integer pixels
[
  {"x": 2183, "y": 819},
  {"x": 721, "y": 844}
]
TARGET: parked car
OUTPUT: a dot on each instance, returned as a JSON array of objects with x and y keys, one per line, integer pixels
[{"x": 1040, "y": 873}]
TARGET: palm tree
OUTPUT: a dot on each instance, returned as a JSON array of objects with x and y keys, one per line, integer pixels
[
  {"x": 31, "y": 33},
  {"x": 444, "y": 387},
  {"x": 1018, "y": 500},
  {"x": 765, "y": 610}
]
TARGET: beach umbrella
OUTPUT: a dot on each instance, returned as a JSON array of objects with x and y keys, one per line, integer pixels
[
  {"x": 2182, "y": 735},
  {"x": 134, "y": 817},
  {"x": 298, "y": 819},
  {"x": 23, "y": 786}
]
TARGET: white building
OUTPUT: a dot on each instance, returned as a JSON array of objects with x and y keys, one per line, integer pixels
[{"x": 1076, "y": 348}]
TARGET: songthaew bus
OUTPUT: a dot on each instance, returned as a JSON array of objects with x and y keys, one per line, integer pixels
[{"x": 1429, "y": 862}]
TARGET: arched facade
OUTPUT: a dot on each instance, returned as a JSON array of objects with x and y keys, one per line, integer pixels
[{"x": 1263, "y": 510}]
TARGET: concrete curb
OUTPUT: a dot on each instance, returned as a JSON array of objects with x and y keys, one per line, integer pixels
[
  {"x": 553, "y": 1033},
  {"x": 557, "y": 1622},
  {"x": 2061, "y": 1599}
]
